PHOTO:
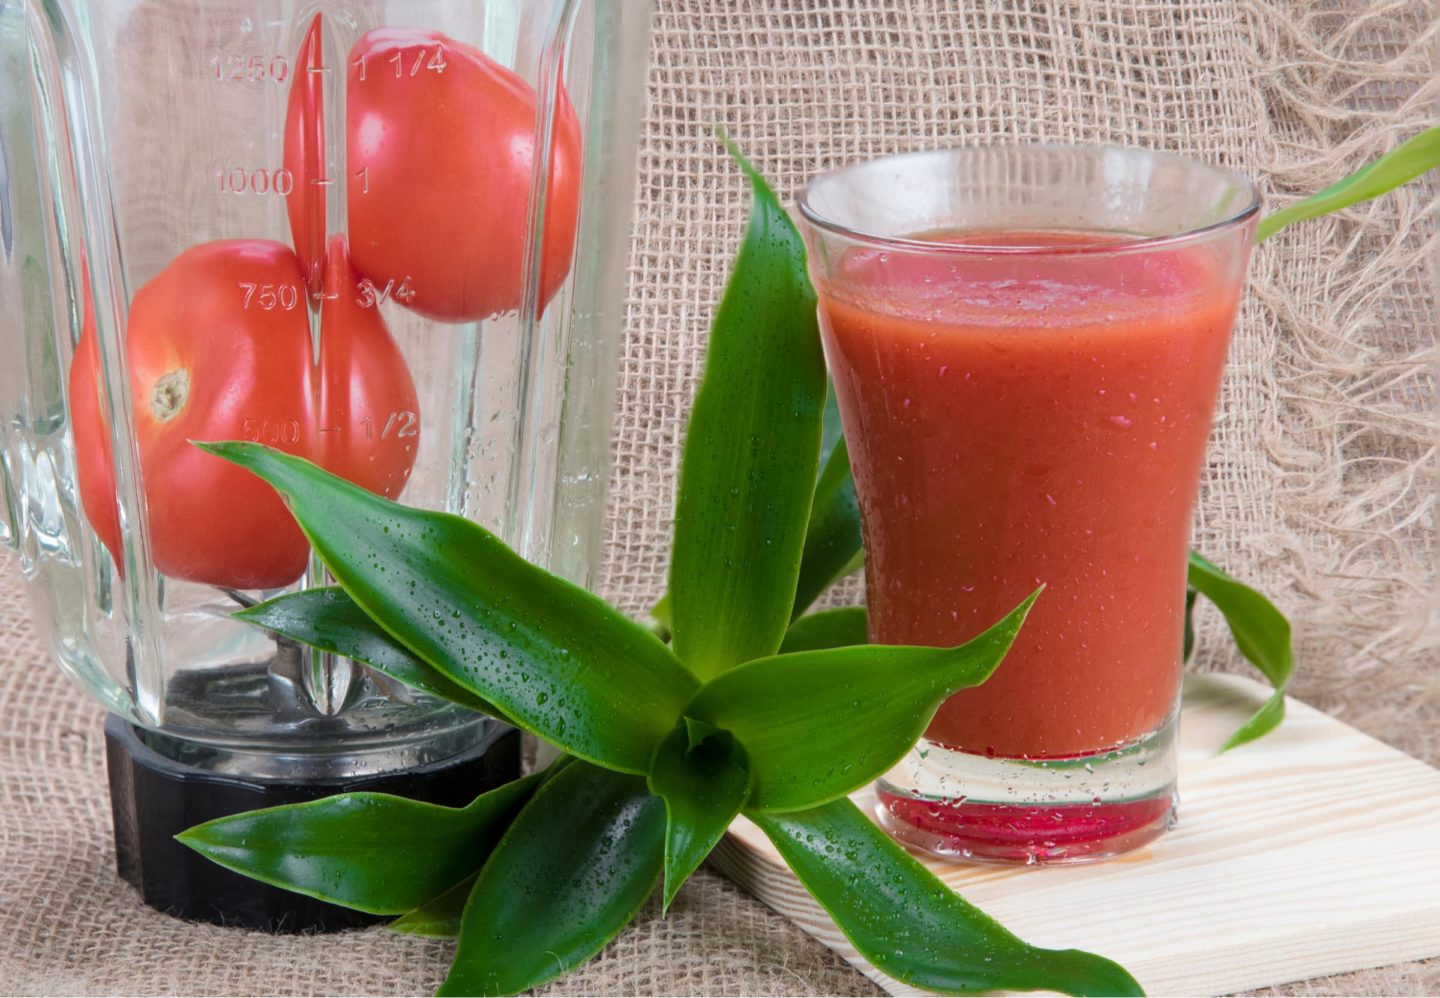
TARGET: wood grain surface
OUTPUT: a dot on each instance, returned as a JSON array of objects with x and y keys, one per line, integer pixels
[{"x": 1310, "y": 852}]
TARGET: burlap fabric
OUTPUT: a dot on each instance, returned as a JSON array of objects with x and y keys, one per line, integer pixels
[{"x": 1321, "y": 485}]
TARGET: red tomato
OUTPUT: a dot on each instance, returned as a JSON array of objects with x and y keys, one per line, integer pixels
[
  {"x": 95, "y": 464},
  {"x": 367, "y": 416},
  {"x": 218, "y": 347},
  {"x": 305, "y": 154},
  {"x": 440, "y": 143}
]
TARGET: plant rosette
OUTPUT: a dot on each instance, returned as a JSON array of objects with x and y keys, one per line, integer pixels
[{"x": 736, "y": 702}]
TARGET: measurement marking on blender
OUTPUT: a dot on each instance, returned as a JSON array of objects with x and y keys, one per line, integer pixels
[
  {"x": 322, "y": 181},
  {"x": 426, "y": 58},
  {"x": 239, "y": 180},
  {"x": 372, "y": 294},
  {"x": 407, "y": 421},
  {"x": 261, "y": 429},
  {"x": 237, "y": 67},
  {"x": 268, "y": 297}
]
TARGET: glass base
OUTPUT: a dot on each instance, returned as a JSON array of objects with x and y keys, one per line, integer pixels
[{"x": 1079, "y": 809}]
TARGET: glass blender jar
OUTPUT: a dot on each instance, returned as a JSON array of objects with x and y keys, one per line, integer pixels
[{"x": 386, "y": 235}]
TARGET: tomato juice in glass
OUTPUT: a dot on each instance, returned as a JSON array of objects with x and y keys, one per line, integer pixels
[{"x": 1026, "y": 345}]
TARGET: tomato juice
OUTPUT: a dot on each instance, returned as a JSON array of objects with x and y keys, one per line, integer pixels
[{"x": 1033, "y": 415}]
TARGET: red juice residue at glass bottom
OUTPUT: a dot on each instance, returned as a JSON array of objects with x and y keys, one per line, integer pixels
[
  {"x": 1025, "y": 833},
  {"x": 1014, "y": 420}
]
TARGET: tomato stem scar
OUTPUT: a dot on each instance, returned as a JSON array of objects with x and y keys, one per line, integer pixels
[{"x": 170, "y": 393}]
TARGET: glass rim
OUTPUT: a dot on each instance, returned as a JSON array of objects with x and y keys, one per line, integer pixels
[{"x": 1121, "y": 244}]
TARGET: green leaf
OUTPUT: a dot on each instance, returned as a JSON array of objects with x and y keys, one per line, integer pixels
[
  {"x": 660, "y": 614},
  {"x": 910, "y": 925},
  {"x": 1188, "y": 648},
  {"x": 700, "y": 773},
  {"x": 747, "y": 474},
  {"x": 371, "y": 852},
  {"x": 557, "y": 660},
  {"x": 832, "y": 537},
  {"x": 696, "y": 734},
  {"x": 573, "y": 870},
  {"x": 833, "y": 546},
  {"x": 438, "y": 918},
  {"x": 1261, "y": 633},
  {"x": 1262, "y": 722},
  {"x": 1399, "y": 166},
  {"x": 838, "y": 628},
  {"x": 831, "y": 428},
  {"x": 818, "y": 724},
  {"x": 329, "y": 620}
]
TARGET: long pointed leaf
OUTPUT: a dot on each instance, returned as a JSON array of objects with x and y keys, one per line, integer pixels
[
  {"x": 660, "y": 614},
  {"x": 833, "y": 547},
  {"x": 1261, "y": 723},
  {"x": 818, "y": 724},
  {"x": 1188, "y": 646},
  {"x": 554, "y": 658},
  {"x": 841, "y": 627},
  {"x": 834, "y": 525},
  {"x": 1261, "y": 632},
  {"x": 573, "y": 870},
  {"x": 1399, "y": 166},
  {"x": 910, "y": 925},
  {"x": 752, "y": 448},
  {"x": 438, "y": 918},
  {"x": 831, "y": 429},
  {"x": 373, "y": 852},
  {"x": 704, "y": 786},
  {"x": 329, "y": 620}
]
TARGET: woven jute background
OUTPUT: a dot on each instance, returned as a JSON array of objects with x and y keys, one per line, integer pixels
[{"x": 1321, "y": 486}]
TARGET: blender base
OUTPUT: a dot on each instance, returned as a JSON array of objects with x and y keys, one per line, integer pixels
[{"x": 153, "y": 798}]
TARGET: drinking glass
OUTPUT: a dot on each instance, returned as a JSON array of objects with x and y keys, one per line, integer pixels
[{"x": 1026, "y": 344}]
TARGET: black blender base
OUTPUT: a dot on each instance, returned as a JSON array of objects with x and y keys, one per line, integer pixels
[{"x": 154, "y": 798}]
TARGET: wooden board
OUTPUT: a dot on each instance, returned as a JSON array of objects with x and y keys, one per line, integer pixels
[{"x": 1314, "y": 851}]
